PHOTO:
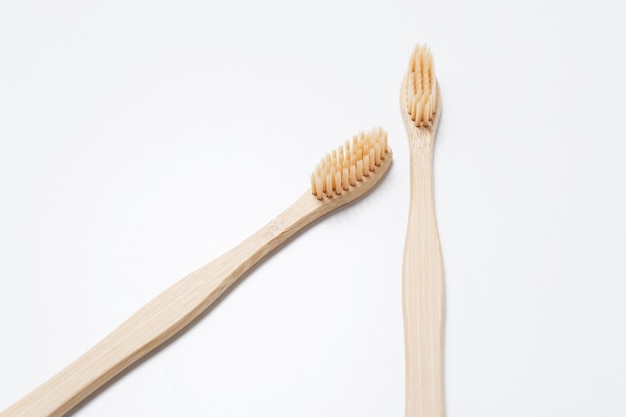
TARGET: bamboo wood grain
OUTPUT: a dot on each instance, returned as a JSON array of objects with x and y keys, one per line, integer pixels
[
  {"x": 176, "y": 307},
  {"x": 422, "y": 278}
]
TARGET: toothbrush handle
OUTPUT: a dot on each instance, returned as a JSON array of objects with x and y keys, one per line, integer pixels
[
  {"x": 162, "y": 317},
  {"x": 423, "y": 294}
]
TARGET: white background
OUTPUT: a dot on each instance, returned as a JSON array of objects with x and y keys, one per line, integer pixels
[{"x": 140, "y": 140}]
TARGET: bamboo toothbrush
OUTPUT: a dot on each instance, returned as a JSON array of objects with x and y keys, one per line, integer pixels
[
  {"x": 342, "y": 176},
  {"x": 422, "y": 272}
]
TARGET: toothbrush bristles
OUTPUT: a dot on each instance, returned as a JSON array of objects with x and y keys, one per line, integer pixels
[
  {"x": 421, "y": 88},
  {"x": 349, "y": 164}
]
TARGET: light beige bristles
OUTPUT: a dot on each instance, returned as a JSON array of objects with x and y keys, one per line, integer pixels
[
  {"x": 350, "y": 163},
  {"x": 421, "y": 101}
]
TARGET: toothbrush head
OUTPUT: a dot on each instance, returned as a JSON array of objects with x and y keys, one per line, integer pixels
[
  {"x": 358, "y": 161},
  {"x": 420, "y": 97}
]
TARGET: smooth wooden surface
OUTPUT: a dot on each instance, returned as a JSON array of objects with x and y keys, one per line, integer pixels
[
  {"x": 422, "y": 282},
  {"x": 423, "y": 295},
  {"x": 175, "y": 308}
]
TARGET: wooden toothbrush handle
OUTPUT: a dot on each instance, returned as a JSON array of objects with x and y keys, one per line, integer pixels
[
  {"x": 423, "y": 294},
  {"x": 162, "y": 317}
]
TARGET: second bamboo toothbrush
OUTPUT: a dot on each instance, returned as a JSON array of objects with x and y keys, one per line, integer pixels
[
  {"x": 422, "y": 272},
  {"x": 342, "y": 177}
]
